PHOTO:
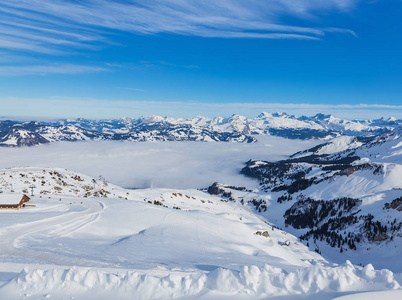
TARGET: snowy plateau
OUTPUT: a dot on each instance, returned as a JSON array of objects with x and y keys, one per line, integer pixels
[{"x": 274, "y": 207}]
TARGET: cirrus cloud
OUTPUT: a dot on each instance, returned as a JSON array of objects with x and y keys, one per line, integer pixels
[
  {"x": 52, "y": 26},
  {"x": 47, "y": 69}
]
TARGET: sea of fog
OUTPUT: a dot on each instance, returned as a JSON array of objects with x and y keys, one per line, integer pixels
[{"x": 155, "y": 164}]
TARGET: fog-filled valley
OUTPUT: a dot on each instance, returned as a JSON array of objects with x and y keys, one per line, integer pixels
[{"x": 156, "y": 164}]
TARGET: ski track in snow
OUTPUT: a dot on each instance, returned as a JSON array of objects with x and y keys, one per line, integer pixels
[{"x": 64, "y": 224}]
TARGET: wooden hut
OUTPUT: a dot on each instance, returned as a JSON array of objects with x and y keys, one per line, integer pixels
[{"x": 13, "y": 201}]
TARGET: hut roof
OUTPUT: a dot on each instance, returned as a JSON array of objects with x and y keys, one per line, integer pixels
[{"x": 10, "y": 198}]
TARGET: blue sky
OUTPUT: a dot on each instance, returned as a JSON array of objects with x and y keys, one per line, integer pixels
[{"x": 109, "y": 59}]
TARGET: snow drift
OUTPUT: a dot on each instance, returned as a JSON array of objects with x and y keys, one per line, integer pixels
[{"x": 250, "y": 281}]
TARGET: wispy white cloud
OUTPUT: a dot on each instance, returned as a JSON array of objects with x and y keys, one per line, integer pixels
[
  {"x": 49, "y": 69},
  {"x": 7, "y": 42},
  {"x": 150, "y": 64},
  {"x": 134, "y": 89},
  {"x": 63, "y": 24},
  {"x": 61, "y": 107}
]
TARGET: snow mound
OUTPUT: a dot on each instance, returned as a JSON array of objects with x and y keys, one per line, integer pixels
[{"x": 249, "y": 281}]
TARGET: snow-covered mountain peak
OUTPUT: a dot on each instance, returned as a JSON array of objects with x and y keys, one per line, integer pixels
[
  {"x": 151, "y": 119},
  {"x": 391, "y": 119},
  {"x": 321, "y": 116},
  {"x": 218, "y": 120},
  {"x": 264, "y": 115},
  {"x": 125, "y": 120},
  {"x": 268, "y": 115},
  {"x": 239, "y": 124},
  {"x": 18, "y": 137},
  {"x": 280, "y": 115},
  {"x": 339, "y": 144},
  {"x": 199, "y": 121}
]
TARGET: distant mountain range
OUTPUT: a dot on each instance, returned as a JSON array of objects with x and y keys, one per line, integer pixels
[{"x": 155, "y": 128}]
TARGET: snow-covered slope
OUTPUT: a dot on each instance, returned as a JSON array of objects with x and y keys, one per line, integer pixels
[
  {"x": 88, "y": 238},
  {"x": 385, "y": 147},
  {"x": 335, "y": 145},
  {"x": 181, "y": 218},
  {"x": 18, "y": 137},
  {"x": 342, "y": 196}
]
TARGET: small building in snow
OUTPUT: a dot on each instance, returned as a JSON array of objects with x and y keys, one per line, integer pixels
[{"x": 13, "y": 201}]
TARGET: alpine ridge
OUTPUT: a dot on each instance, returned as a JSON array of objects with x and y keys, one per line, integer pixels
[
  {"x": 156, "y": 128},
  {"x": 343, "y": 196}
]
